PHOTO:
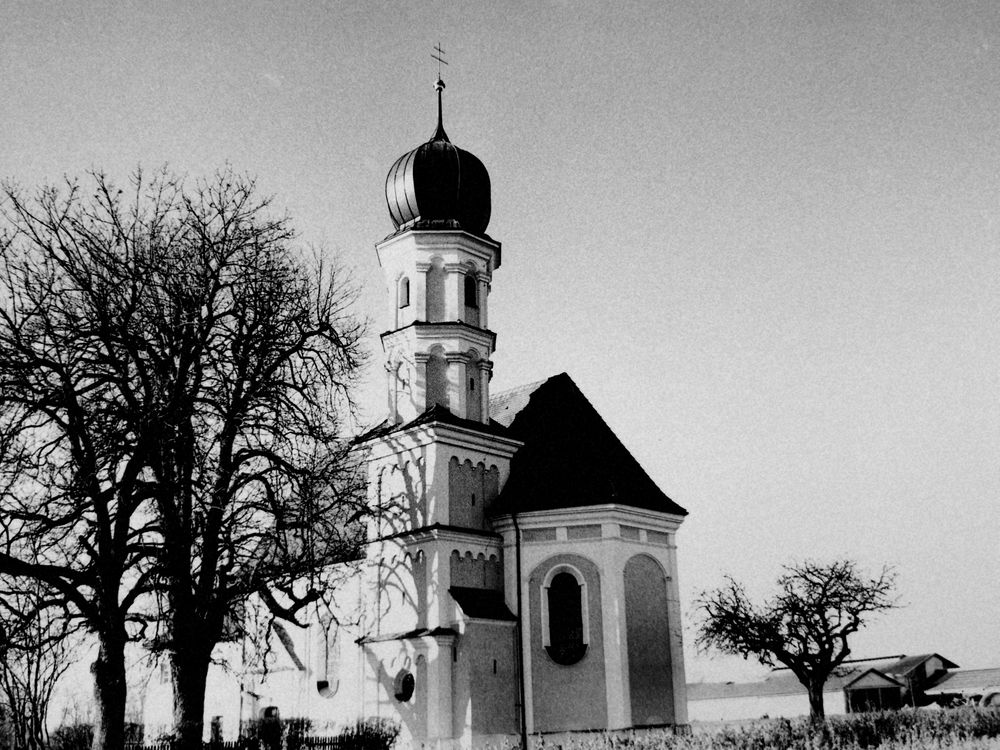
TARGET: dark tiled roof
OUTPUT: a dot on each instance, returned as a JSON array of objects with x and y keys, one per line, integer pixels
[
  {"x": 570, "y": 458},
  {"x": 436, "y": 414},
  {"x": 481, "y": 604},
  {"x": 908, "y": 664},
  {"x": 967, "y": 681}
]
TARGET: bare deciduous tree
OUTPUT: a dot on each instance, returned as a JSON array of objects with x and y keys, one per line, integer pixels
[
  {"x": 173, "y": 375},
  {"x": 805, "y": 626}
]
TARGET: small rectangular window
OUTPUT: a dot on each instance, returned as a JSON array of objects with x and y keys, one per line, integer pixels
[
  {"x": 658, "y": 537},
  {"x": 539, "y": 535},
  {"x": 590, "y": 531},
  {"x": 630, "y": 532}
]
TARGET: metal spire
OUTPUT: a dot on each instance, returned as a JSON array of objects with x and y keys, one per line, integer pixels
[{"x": 439, "y": 134}]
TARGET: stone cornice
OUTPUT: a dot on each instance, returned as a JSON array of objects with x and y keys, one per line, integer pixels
[
  {"x": 378, "y": 448},
  {"x": 422, "y": 329},
  {"x": 610, "y": 512},
  {"x": 430, "y": 240}
]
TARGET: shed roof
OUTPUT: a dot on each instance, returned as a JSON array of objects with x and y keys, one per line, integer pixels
[
  {"x": 571, "y": 457},
  {"x": 966, "y": 681},
  {"x": 481, "y": 604}
]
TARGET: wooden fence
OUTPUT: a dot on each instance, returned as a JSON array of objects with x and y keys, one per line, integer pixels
[{"x": 309, "y": 743}]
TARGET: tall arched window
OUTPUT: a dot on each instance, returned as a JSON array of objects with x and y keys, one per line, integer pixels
[
  {"x": 404, "y": 292},
  {"x": 471, "y": 291},
  {"x": 566, "y": 638}
]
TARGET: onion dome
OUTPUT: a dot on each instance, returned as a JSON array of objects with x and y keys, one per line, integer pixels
[{"x": 439, "y": 186}]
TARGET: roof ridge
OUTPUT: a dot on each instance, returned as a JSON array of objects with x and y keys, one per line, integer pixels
[{"x": 524, "y": 386}]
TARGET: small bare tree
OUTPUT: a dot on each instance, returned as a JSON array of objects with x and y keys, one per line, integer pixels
[
  {"x": 35, "y": 652},
  {"x": 173, "y": 375},
  {"x": 805, "y": 626}
]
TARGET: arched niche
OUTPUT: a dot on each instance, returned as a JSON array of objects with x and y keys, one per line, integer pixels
[
  {"x": 327, "y": 658},
  {"x": 403, "y": 292},
  {"x": 494, "y": 573},
  {"x": 435, "y": 291},
  {"x": 647, "y": 629},
  {"x": 437, "y": 377},
  {"x": 474, "y": 387}
]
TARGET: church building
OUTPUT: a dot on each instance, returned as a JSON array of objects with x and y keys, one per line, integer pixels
[{"x": 521, "y": 572}]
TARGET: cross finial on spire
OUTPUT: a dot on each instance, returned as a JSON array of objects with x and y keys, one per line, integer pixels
[
  {"x": 439, "y": 134},
  {"x": 440, "y": 58}
]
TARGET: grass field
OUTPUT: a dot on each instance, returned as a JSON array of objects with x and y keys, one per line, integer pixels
[{"x": 955, "y": 729}]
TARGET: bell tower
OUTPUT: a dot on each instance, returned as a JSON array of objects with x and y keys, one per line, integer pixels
[
  {"x": 436, "y": 466},
  {"x": 438, "y": 268}
]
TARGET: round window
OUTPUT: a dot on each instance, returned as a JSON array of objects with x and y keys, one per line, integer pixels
[{"x": 403, "y": 685}]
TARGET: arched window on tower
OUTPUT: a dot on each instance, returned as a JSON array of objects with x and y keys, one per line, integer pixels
[
  {"x": 471, "y": 295},
  {"x": 566, "y": 637},
  {"x": 471, "y": 291},
  {"x": 404, "y": 292}
]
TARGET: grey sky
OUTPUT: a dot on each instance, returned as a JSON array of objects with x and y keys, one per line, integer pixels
[{"x": 762, "y": 237}]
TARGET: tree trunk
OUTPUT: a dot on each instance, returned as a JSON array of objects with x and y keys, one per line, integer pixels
[
  {"x": 189, "y": 667},
  {"x": 109, "y": 692},
  {"x": 816, "y": 710}
]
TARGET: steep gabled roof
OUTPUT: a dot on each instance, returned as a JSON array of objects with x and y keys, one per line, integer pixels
[
  {"x": 906, "y": 665},
  {"x": 571, "y": 457},
  {"x": 872, "y": 678}
]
